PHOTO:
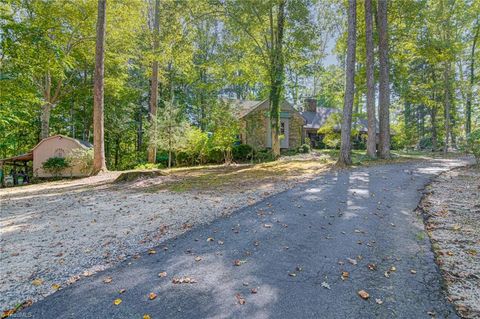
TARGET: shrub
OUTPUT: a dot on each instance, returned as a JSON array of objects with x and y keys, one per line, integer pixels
[
  {"x": 265, "y": 155},
  {"x": 425, "y": 143},
  {"x": 83, "y": 159},
  {"x": 149, "y": 166},
  {"x": 473, "y": 144},
  {"x": 304, "y": 148},
  {"x": 56, "y": 165},
  {"x": 242, "y": 152}
]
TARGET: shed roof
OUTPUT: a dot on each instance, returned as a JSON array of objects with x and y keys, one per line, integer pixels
[
  {"x": 19, "y": 158},
  {"x": 81, "y": 143}
]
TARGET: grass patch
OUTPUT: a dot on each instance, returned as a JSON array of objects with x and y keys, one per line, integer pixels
[{"x": 246, "y": 176}]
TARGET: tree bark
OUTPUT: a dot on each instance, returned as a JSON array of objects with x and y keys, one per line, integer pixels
[
  {"x": 152, "y": 149},
  {"x": 372, "y": 126},
  {"x": 99, "y": 164},
  {"x": 345, "y": 147},
  {"x": 468, "y": 108},
  {"x": 446, "y": 75},
  {"x": 384, "y": 86},
  {"x": 276, "y": 75}
]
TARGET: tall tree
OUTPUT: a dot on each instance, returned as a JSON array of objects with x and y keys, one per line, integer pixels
[
  {"x": 99, "y": 164},
  {"x": 345, "y": 147},
  {"x": 468, "y": 107},
  {"x": 277, "y": 73},
  {"x": 372, "y": 126},
  {"x": 384, "y": 85},
  {"x": 152, "y": 149}
]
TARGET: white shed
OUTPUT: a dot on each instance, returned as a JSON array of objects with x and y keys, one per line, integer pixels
[{"x": 57, "y": 146}]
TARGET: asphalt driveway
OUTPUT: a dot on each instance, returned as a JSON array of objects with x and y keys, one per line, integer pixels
[{"x": 304, "y": 253}]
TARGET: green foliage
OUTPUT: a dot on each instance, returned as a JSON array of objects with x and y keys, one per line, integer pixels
[
  {"x": 56, "y": 165},
  {"x": 81, "y": 158},
  {"x": 195, "y": 148},
  {"x": 304, "y": 148},
  {"x": 242, "y": 152},
  {"x": 473, "y": 144},
  {"x": 265, "y": 155},
  {"x": 149, "y": 166}
]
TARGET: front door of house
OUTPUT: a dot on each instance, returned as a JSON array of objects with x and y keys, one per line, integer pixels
[{"x": 284, "y": 133}]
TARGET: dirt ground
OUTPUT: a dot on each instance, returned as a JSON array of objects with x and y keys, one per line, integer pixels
[{"x": 452, "y": 212}]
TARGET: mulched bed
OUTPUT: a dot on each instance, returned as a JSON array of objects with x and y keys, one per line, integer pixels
[{"x": 451, "y": 209}]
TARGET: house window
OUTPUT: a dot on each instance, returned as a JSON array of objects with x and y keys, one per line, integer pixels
[
  {"x": 282, "y": 128},
  {"x": 59, "y": 152}
]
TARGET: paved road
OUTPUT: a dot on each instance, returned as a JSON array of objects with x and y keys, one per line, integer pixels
[{"x": 364, "y": 214}]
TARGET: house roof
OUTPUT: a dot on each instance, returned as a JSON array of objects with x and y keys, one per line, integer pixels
[
  {"x": 81, "y": 143},
  {"x": 315, "y": 120},
  {"x": 243, "y": 107}
]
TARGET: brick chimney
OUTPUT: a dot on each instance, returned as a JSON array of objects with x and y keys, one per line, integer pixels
[{"x": 310, "y": 104}]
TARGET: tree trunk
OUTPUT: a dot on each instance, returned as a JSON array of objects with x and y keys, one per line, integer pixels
[
  {"x": 45, "y": 120},
  {"x": 446, "y": 75},
  {"x": 152, "y": 149},
  {"x": 99, "y": 164},
  {"x": 384, "y": 86},
  {"x": 372, "y": 126},
  {"x": 276, "y": 75},
  {"x": 345, "y": 147},
  {"x": 468, "y": 108}
]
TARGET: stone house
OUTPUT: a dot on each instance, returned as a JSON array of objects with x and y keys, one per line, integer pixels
[{"x": 255, "y": 129}]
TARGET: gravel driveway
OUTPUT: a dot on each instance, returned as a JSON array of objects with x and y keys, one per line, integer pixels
[
  {"x": 311, "y": 252},
  {"x": 53, "y": 234}
]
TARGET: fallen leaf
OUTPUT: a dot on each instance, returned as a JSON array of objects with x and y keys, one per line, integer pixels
[
  {"x": 220, "y": 242},
  {"x": 210, "y": 239},
  {"x": 378, "y": 301},
  {"x": 37, "y": 282},
  {"x": 325, "y": 285},
  {"x": 372, "y": 267},
  {"x": 152, "y": 295},
  {"x": 56, "y": 286},
  {"x": 162, "y": 274},
  {"x": 146, "y": 316},
  {"x": 152, "y": 251},
  {"x": 253, "y": 290},
  {"x": 121, "y": 291},
  {"x": 240, "y": 299},
  {"x": 345, "y": 275},
  {"x": 392, "y": 269},
  {"x": 117, "y": 301},
  {"x": 449, "y": 253},
  {"x": 352, "y": 261},
  {"x": 107, "y": 280},
  {"x": 363, "y": 294},
  {"x": 198, "y": 258}
]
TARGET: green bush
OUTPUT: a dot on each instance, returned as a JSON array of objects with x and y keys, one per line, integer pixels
[
  {"x": 242, "y": 152},
  {"x": 56, "y": 165},
  {"x": 265, "y": 155},
  {"x": 304, "y": 148},
  {"x": 82, "y": 158},
  {"x": 148, "y": 166},
  {"x": 473, "y": 144},
  {"x": 215, "y": 155}
]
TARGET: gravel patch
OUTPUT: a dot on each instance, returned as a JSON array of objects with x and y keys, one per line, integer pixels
[
  {"x": 53, "y": 234},
  {"x": 452, "y": 210}
]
